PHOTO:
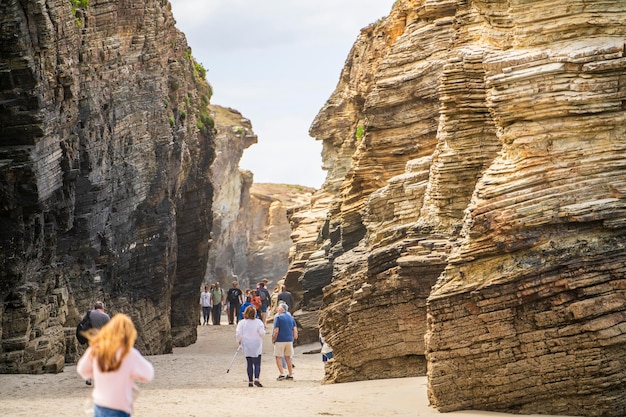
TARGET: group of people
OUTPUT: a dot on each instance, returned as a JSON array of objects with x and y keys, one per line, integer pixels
[
  {"x": 114, "y": 365},
  {"x": 250, "y": 310},
  {"x": 214, "y": 300},
  {"x": 249, "y": 336}
]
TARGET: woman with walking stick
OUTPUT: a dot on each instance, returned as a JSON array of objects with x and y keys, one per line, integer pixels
[{"x": 249, "y": 335}]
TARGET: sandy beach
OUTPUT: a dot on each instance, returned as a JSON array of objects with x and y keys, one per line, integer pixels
[{"x": 193, "y": 382}]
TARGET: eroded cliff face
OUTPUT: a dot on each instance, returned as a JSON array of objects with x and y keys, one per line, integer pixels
[
  {"x": 229, "y": 240},
  {"x": 477, "y": 230},
  {"x": 270, "y": 231},
  {"x": 104, "y": 167},
  {"x": 251, "y": 234}
]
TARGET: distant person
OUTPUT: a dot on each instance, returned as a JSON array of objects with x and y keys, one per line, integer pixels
[
  {"x": 98, "y": 317},
  {"x": 266, "y": 298},
  {"x": 326, "y": 350},
  {"x": 115, "y": 365},
  {"x": 249, "y": 334},
  {"x": 217, "y": 297},
  {"x": 285, "y": 332},
  {"x": 244, "y": 306},
  {"x": 94, "y": 319},
  {"x": 284, "y": 361},
  {"x": 235, "y": 299},
  {"x": 205, "y": 302},
  {"x": 256, "y": 302},
  {"x": 285, "y": 296}
]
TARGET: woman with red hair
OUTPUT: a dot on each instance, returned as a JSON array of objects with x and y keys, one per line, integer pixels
[{"x": 114, "y": 364}]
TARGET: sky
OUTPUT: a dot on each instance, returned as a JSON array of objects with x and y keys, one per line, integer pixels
[{"x": 276, "y": 62}]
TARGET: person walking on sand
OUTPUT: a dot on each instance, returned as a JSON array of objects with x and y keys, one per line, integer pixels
[
  {"x": 234, "y": 297},
  {"x": 266, "y": 298},
  {"x": 249, "y": 335},
  {"x": 94, "y": 319},
  {"x": 114, "y": 364},
  {"x": 98, "y": 317},
  {"x": 256, "y": 302},
  {"x": 285, "y": 296},
  {"x": 283, "y": 360},
  {"x": 205, "y": 302},
  {"x": 243, "y": 308},
  {"x": 217, "y": 296},
  {"x": 283, "y": 336}
]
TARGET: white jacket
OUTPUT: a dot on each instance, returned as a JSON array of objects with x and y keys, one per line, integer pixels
[{"x": 249, "y": 335}]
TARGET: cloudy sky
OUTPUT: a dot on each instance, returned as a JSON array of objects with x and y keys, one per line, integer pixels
[{"x": 277, "y": 62}]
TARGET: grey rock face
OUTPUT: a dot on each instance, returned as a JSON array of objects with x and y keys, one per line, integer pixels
[{"x": 104, "y": 180}]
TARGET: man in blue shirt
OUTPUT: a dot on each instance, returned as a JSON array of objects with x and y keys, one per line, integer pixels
[
  {"x": 285, "y": 332},
  {"x": 243, "y": 307}
]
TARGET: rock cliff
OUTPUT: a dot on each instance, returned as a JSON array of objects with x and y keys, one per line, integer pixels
[
  {"x": 476, "y": 231},
  {"x": 229, "y": 236},
  {"x": 251, "y": 235},
  {"x": 270, "y": 231},
  {"x": 105, "y": 192}
]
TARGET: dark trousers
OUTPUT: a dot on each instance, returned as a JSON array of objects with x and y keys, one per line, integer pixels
[
  {"x": 206, "y": 313},
  {"x": 254, "y": 367},
  {"x": 217, "y": 313},
  {"x": 233, "y": 312}
]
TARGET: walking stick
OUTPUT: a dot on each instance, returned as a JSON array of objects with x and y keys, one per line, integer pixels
[{"x": 231, "y": 362}]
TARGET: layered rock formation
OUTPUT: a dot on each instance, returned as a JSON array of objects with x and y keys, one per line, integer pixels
[
  {"x": 229, "y": 241},
  {"x": 477, "y": 228},
  {"x": 104, "y": 176},
  {"x": 251, "y": 235},
  {"x": 270, "y": 231},
  {"x": 308, "y": 270}
]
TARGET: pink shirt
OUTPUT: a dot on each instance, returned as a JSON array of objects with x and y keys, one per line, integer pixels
[{"x": 115, "y": 389}]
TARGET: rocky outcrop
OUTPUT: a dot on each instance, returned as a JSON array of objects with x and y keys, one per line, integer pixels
[
  {"x": 251, "y": 235},
  {"x": 371, "y": 224},
  {"x": 476, "y": 233},
  {"x": 229, "y": 240},
  {"x": 270, "y": 231},
  {"x": 104, "y": 176},
  {"x": 309, "y": 270},
  {"x": 531, "y": 289}
]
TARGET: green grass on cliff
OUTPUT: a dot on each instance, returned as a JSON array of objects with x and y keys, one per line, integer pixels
[{"x": 78, "y": 4}]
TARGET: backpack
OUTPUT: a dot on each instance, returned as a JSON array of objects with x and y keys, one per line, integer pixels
[
  {"x": 263, "y": 293},
  {"x": 85, "y": 324}
]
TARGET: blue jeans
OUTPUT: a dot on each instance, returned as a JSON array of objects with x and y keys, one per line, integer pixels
[
  {"x": 206, "y": 314},
  {"x": 108, "y": 412}
]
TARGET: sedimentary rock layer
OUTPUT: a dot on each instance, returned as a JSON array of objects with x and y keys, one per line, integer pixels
[
  {"x": 229, "y": 237},
  {"x": 270, "y": 231},
  {"x": 251, "y": 235},
  {"x": 104, "y": 176},
  {"x": 478, "y": 234}
]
